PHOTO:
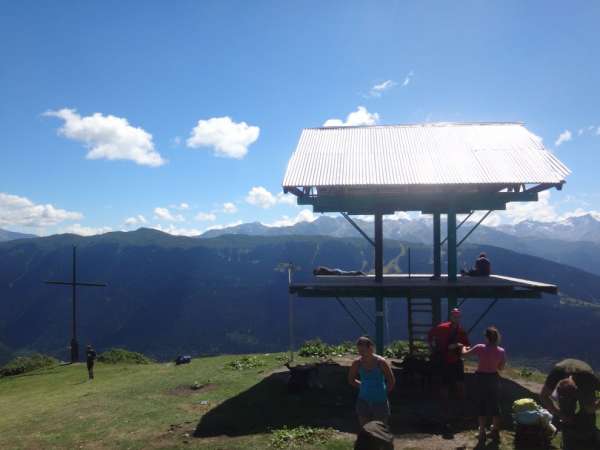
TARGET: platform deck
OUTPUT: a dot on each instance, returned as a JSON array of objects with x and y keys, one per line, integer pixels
[{"x": 421, "y": 286}]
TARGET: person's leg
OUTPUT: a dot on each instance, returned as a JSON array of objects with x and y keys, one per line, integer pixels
[
  {"x": 381, "y": 412},
  {"x": 363, "y": 411}
]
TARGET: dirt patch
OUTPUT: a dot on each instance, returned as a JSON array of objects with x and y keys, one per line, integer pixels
[{"x": 187, "y": 389}]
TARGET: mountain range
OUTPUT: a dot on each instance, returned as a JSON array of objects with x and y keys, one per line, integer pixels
[
  {"x": 574, "y": 241},
  {"x": 171, "y": 294}
]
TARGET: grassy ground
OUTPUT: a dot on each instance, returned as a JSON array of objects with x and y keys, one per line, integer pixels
[{"x": 153, "y": 406}]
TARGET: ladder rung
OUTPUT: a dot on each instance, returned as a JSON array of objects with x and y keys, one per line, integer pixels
[
  {"x": 421, "y": 325},
  {"x": 421, "y": 310}
]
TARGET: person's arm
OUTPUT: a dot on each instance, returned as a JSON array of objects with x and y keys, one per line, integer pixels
[
  {"x": 353, "y": 375},
  {"x": 502, "y": 364},
  {"x": 390, "y": 379},
  {"x": 547, "y": 402},
  {"x": 466, "y": 351}
]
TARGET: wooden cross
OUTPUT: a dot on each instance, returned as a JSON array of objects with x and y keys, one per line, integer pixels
[{"x": 74, "y": 283}]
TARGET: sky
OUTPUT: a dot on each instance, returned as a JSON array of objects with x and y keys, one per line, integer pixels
[{"x": 182, "y": 115}]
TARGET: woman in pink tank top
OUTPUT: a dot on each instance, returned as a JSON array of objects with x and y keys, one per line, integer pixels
[{"x": 492, "y": 359}]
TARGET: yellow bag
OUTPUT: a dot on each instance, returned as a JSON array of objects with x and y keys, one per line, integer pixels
[{"x": 524, "y": 404}]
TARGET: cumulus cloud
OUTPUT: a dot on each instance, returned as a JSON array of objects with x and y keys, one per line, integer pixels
[
  {"x": 226, "y": 137},
  {"x": 541, "y": 211},
  {"x": 306, "y": 215},
  {"x": 378, "y": 89},
  {"x": 135, "y": 220},
  {"x": 407, "y": 78},
  {"x": 176, "y": 231},
  {"x": 229, "y": 208},
  {"x": 259, "y": 196},
  {"x": 21, "y": 211},
  {"x": 205, "y": 217},
  {"x": 223, "y": 226},
  {"x": 563, "y": 137},
  {"x": 85, "y": 231},
  {"x": 109, "y": 137},
  {"x": 359, "y": 117},
  {"x": 165, "y": 214}
]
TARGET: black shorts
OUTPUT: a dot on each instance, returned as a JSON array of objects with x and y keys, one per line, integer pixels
[
  {"x": 453, "y": 373},
  {"x": 487, "y": 389}
]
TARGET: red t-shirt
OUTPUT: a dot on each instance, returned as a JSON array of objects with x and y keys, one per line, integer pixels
[{"x": 443, "y": 335}]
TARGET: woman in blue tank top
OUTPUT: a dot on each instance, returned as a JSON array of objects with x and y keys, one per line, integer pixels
[{"x": 372, "y": 375}]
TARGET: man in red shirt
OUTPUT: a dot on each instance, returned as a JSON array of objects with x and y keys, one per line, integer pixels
[{"x": 446, "y": 341}]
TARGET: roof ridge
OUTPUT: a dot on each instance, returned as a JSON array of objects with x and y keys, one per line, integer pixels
[{"x": 421, "y": 124}]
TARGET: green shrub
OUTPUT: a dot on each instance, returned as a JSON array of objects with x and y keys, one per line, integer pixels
[
  {"x": 27, "y": 363},
  {"x": 300, "y": 437},
  {"x": 399, "y": 349},
  {"x": 246, "y": 362},
  {"x": 316, "y": 348},
  {"x": 122, "y": 356}
]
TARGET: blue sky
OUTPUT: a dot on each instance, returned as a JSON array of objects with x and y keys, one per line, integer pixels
[{"x": 111, "y": 110}]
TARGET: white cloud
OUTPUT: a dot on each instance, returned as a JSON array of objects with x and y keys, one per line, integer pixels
[
  {"x": 306, "y": 215},
  {"x": 598, "y": 131},
  {"x": 379, "y": 89},
  {"x": 135, "y": 220},
  {"x": 286, "y": 199},
  {"x": 85, "y": 231},
  {"x": 165, "y": 214},
  {"x": 359, "y": 117},
  {"x": 109, "y": 137},
  {"x": 228, "y": 139},
  {"x": 229, "y": 208},
  {"x": 172, "y": 229},
  {"x": 259, "y": 196},
  {"x": 540, "y": 211},
  {"x": 565, "y": 136},
  {"x": 205, "y": 217},
  {"x": 222, "y": 226},
  {"x": 15, "y": 210},
  {"x": 407, "y": 78},
  {"x": 183, "y": 206}
]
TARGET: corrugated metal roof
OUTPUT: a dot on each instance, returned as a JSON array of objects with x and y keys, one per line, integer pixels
[{"x": 423, "y": 154}]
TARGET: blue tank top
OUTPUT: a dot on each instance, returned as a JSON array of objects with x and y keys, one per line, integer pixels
[{"x": 373, "y": 388}]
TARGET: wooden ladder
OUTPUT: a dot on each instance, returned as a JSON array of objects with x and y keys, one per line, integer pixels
[{"x": 420, "y": 321}]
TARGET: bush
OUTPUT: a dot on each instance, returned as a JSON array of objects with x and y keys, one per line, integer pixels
[
  {"x": 300, "y": 437},
  {"x": 122, "y": 356},
  {"x": 399, "y": 349},
  {"x": 28, "y": 363},
  {"x": 316, "y": 348},
  {"x": 246, "y": 362}
]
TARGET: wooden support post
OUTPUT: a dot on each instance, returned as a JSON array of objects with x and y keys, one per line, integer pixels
[
  {"x": 452, "y": 257},
  {"x": 436, "y": 302},
  {"x": 379, "y": 300}
]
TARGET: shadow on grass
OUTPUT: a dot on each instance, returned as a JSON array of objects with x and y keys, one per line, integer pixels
[{"x": 267, "y": 405}]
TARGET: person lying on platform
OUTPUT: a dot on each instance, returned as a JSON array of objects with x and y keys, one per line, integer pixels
[
  {"x": 482, "y": 268},
  {"x": 492, "y": 359},
  {"x": 373, "y": 377},
  {"x": 322, "y": 270},
  {"x": 446, "y": 341},
  {"x": 571, "y": 383}
]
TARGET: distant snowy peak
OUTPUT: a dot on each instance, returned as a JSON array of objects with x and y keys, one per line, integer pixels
[{"x": 573, "y": 229}]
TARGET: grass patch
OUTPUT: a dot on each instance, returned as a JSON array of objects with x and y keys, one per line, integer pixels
[
  {"x": 28, "y": 363},
  {"x": 123, "y": 356},
  {"x": 300, "y": 437}
]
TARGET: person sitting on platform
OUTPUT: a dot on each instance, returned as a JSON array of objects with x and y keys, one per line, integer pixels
[
  {"x": 446, "y": 341},
  {"x": 492, "y": 359},
  {"x": 482, "y": 268},
  {"x": 572, "y": 382},
  {"x": 372, "y": 375},
  {"x": 322, "y": 270}
]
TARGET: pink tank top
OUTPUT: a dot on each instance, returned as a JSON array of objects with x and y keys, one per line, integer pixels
[{"x": 491, "y": 357}]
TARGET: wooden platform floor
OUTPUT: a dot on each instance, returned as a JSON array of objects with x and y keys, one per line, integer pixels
[{"x": 421, "y": 286}]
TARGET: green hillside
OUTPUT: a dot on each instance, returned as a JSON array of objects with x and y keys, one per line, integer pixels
[{"x": 241, "y": 402}]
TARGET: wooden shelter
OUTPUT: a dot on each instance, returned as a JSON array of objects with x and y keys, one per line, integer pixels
[{"x": 434, "y": 168}]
